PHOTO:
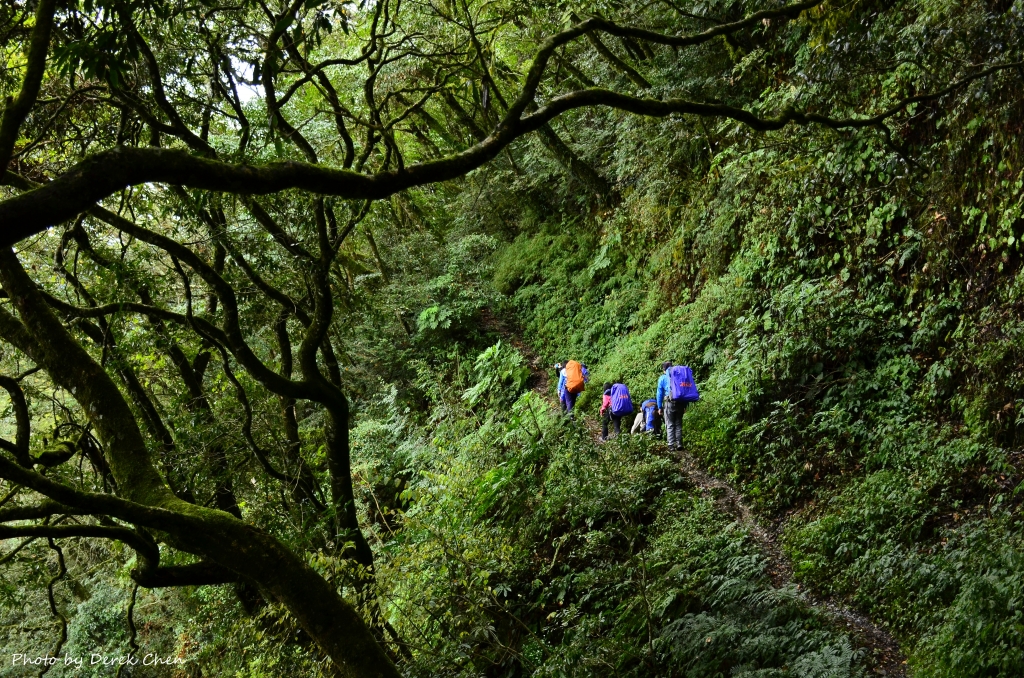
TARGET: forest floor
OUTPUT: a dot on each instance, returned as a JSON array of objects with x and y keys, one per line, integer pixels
[{"x": 883, "y": 651}]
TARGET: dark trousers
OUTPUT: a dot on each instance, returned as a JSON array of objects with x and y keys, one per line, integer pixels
[
  {"x": 673, "y": 412},
  {"x": 569, "y": 400},
  {"x": 615, "y": 419},
  {"x": 656, "y": 424}
]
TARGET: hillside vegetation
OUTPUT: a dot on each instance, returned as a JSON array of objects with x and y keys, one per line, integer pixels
[
  {"x": 362, "y": 384},
  {"x": 851, "y": 308}
]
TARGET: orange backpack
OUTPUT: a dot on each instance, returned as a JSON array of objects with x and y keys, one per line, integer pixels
[{"x": 574, "y": 377}]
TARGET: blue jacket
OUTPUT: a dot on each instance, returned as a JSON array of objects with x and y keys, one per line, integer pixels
[
  {"x": 664, "y": 390},
  {"x": 561, "y": 382}
]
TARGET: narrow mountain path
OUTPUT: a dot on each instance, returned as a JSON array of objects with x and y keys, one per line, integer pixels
[{"x": 884, "y": 653}]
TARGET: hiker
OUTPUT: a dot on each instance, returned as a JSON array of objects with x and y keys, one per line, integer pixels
[
  {"x": 605, "y": 411},
  {"x": 647, "y": 418},
  {"x": 616, "y": 404},
  {"x": 676, "y": 389},
  {"x": 560, "y": 376},
  {"x": 667, "y": 408},
  {"x": 656, "y": 417},
  {"x": 573, "y": 379}
]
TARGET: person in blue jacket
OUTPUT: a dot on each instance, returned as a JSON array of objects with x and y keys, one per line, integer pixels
[
  {"x": 560, "y": 376},
  {"x": 565, "y": 399},
  {"x": 562, "y": 392},
  {"x": 671, "y": 410},
  {"x": 646, "y": 418}
]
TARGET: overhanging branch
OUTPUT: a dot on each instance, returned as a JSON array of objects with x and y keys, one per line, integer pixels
[
  {"x": 203, "y": 573},
  {"x": 95, "y": 503},
  {"x": 17, "y": 109},
  {"x": 105, "y": 173},
  {"x": 147, "y": 574},
  {"x": 789, "y": 11},
  {"x": 662, "y": 108},
  {"x": 44, "y": 509},
  {"x": 145, "y": 548}
]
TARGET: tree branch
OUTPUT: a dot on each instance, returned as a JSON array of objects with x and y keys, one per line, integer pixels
[
  {"x": 145, "y": 548},
  {"x": 21, "y": 418},
  {"x": 788, "y": 11},
  {"x": 39, "y": 511},
  {"x": 147, "y": 574},
  {"x": 17, "y": 109},
  {"x": 203, "y": 573},
  {"x": 103, "y": 174},
  {"x": 95, "y": 503}
]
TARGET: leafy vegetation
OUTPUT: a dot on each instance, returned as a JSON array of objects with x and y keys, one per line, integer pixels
[
  {"x": 277, "y": 383},
  {"x": 539, "y": 551},
  {"x": 849, "y": 308}
]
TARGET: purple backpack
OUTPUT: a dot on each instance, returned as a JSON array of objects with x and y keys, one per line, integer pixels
[
  {"x": 621, "y": 402},
  {"x": 681, "y": 384}
]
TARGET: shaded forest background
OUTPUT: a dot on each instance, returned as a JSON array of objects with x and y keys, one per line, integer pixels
[{"x": 851, "y": 305}]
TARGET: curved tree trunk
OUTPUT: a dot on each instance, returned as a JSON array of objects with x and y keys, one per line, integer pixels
[{"x": 212, "y": 534}]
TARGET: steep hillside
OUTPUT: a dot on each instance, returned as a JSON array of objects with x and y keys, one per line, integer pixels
[
  {"x": 285, "y": 406},
  {"x": 851, "y": 305}
]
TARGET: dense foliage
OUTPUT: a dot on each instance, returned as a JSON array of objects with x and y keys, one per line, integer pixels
[
  {"x": 364, "y": 380},
  {"x": 850, "y": 308}
]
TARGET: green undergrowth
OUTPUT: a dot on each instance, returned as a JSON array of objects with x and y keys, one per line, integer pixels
[
  {"x": 955, "y": 581},
  {"x": 851, "y": 311},
  {"x": 512, "y": 544},
  {"x": 878, "y": 415}
]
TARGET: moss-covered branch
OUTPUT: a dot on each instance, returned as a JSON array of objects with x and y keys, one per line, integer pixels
[{"x": 17, "y": 109}]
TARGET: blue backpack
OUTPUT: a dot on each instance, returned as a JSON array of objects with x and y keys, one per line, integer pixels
[
  {"x": 621, "y": 402},
  {"x": 682, "y": 387},
  {"x": 650, "y": 410}
]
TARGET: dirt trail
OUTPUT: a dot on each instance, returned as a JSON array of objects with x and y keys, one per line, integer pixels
[{"x": 884, "y": 651}]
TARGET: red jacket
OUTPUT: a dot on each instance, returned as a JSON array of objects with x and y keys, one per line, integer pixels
[{"x": 606, "y": 402}]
